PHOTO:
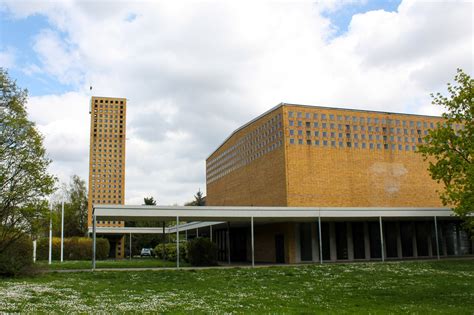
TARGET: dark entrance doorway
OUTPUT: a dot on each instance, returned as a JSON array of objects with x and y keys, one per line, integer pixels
[
  {"x": 280, "y": 248},
  {"x": 305, "y": 242},
  {"x": 358, "y": 240},
  {"x": 422, "y": 230},
  {"x": 375, "y": 246},
  {"x": 325, "y": 240},
  {"x": 391, "y": 234},
  {"x": 406, "y": 234},
  {"x": 113, "y": 247},
  {"x": 238, "y": 244},
  {"x": 341, "y": 240}
]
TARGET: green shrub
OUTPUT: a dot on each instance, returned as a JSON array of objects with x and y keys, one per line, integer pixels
[
  {"x": 102, "y": 248},
  {"x": 202, "y": 252},
  {"x": 42, "y": 248},
  {"x": 169, "y": 252},
  {"x": 17, "y": 258},
  {"x": 75, "y": 248}
]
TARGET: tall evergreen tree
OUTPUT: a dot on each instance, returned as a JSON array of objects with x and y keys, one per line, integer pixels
[
  {"x": 149, "y": 201},
  {"x": 199, "y": 200}
]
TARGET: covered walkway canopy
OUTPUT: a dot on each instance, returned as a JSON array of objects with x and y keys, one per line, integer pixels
[{"x": 210, "y": 215}]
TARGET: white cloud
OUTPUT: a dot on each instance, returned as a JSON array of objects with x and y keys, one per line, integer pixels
[
  {"x": 194, "y": 72},
  {"x": 59, "y": 58},
  {"x": 7, "y": 58},
  {"x": 31, "y": 69},
  {"x": 419, "y": 30},
  {"x": 64, "y": 122}
]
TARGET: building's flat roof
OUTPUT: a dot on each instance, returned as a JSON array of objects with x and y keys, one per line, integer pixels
[
  {"x": 262, "y": 214},
  {"x": 357, "y": 110},
  {"x": 153, "y": 230},
  {"x": 312, "y": 107},
  {"x": 110, "y": 97},
  {"x": 129, "y": 230}
]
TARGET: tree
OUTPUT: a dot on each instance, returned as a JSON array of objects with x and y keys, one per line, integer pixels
[
  {"x": 78, "y": 202},
  {"x": 75, "y": 208},
  {"x": 199, "y": 200},
  {"x": 149, "y": 201},
  {"x": 449, "y": 148},
  {"x": 24, "y": 180}
]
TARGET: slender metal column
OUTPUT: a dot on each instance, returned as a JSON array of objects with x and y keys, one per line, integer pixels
[
  {"x": 93, "y": 238},
  {"x": 197, "y": 232},
  {"x": 381, "y": 239},
  {"x": 253, "y": 242},
  {"x": 50, "y": 253},
  {"x": 320, "y": 241},
  {"x": 34, "y": 251},
  {"x": 186, "y": 235},
  {"x": 62, "y": 231},
  {"x": 177, "y": 242},
  {"x": 436, "y": 236},
  {"x": 130, "y": 246},
  {"x": 210, "y": 232}
]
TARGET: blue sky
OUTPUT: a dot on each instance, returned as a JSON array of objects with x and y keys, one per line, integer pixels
[
  {"x": 341, "y": 18},
  {"x": 18, "y": 34}
]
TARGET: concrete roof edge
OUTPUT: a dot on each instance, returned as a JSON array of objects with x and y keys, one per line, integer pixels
[
  {"x": 114, "y": 97},
  {"x": 264, "y": 208},
  {"x": 361, "y": 110}
]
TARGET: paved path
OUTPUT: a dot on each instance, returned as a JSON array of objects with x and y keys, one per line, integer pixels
[{"x": 174, "y": 268}]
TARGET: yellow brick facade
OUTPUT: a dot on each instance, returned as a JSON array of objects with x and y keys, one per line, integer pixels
[
  {"x": 329, "y": 157},
  {"x": 261, "y": 182},
  {"x": 107, "y": 158}
]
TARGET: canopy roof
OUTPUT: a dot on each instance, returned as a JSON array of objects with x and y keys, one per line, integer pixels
[{"x": 262, "y": 214}]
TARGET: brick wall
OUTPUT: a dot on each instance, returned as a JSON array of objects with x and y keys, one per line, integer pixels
[
  {"x": 259, "y": 183},
  {"x": 321, "y": 175},
  {"x": 357, "y": 177}
]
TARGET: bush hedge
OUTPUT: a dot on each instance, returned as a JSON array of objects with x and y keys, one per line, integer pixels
[
  {"x": 202, "y": 252},
  {"x": 75, "y": 248},
  {"x": 169, "y": 252},
  {"x": 17, "y": 258}
]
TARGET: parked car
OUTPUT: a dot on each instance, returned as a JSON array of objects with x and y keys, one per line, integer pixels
[{"x": 146, "y": 252}]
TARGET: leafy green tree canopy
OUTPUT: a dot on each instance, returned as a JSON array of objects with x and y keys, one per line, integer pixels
[
  {"x": 450, "y": 150},
  {"x": 75, "y": 200},
  {"x": 78, "y": 202},
  {"x": 24, "y": 180}
]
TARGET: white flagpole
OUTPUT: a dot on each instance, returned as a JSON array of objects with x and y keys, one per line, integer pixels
[
  {"x": 62, "y": 231},
  {"x": 50, "y": 234}
]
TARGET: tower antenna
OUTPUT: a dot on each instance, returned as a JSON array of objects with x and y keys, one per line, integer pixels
[{"x": 90, "y": 97}]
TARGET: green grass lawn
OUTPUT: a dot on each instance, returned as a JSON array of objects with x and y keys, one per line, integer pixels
[
  {"x": 122, "y": 263},
  {"x": 407, "y": 287}
]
